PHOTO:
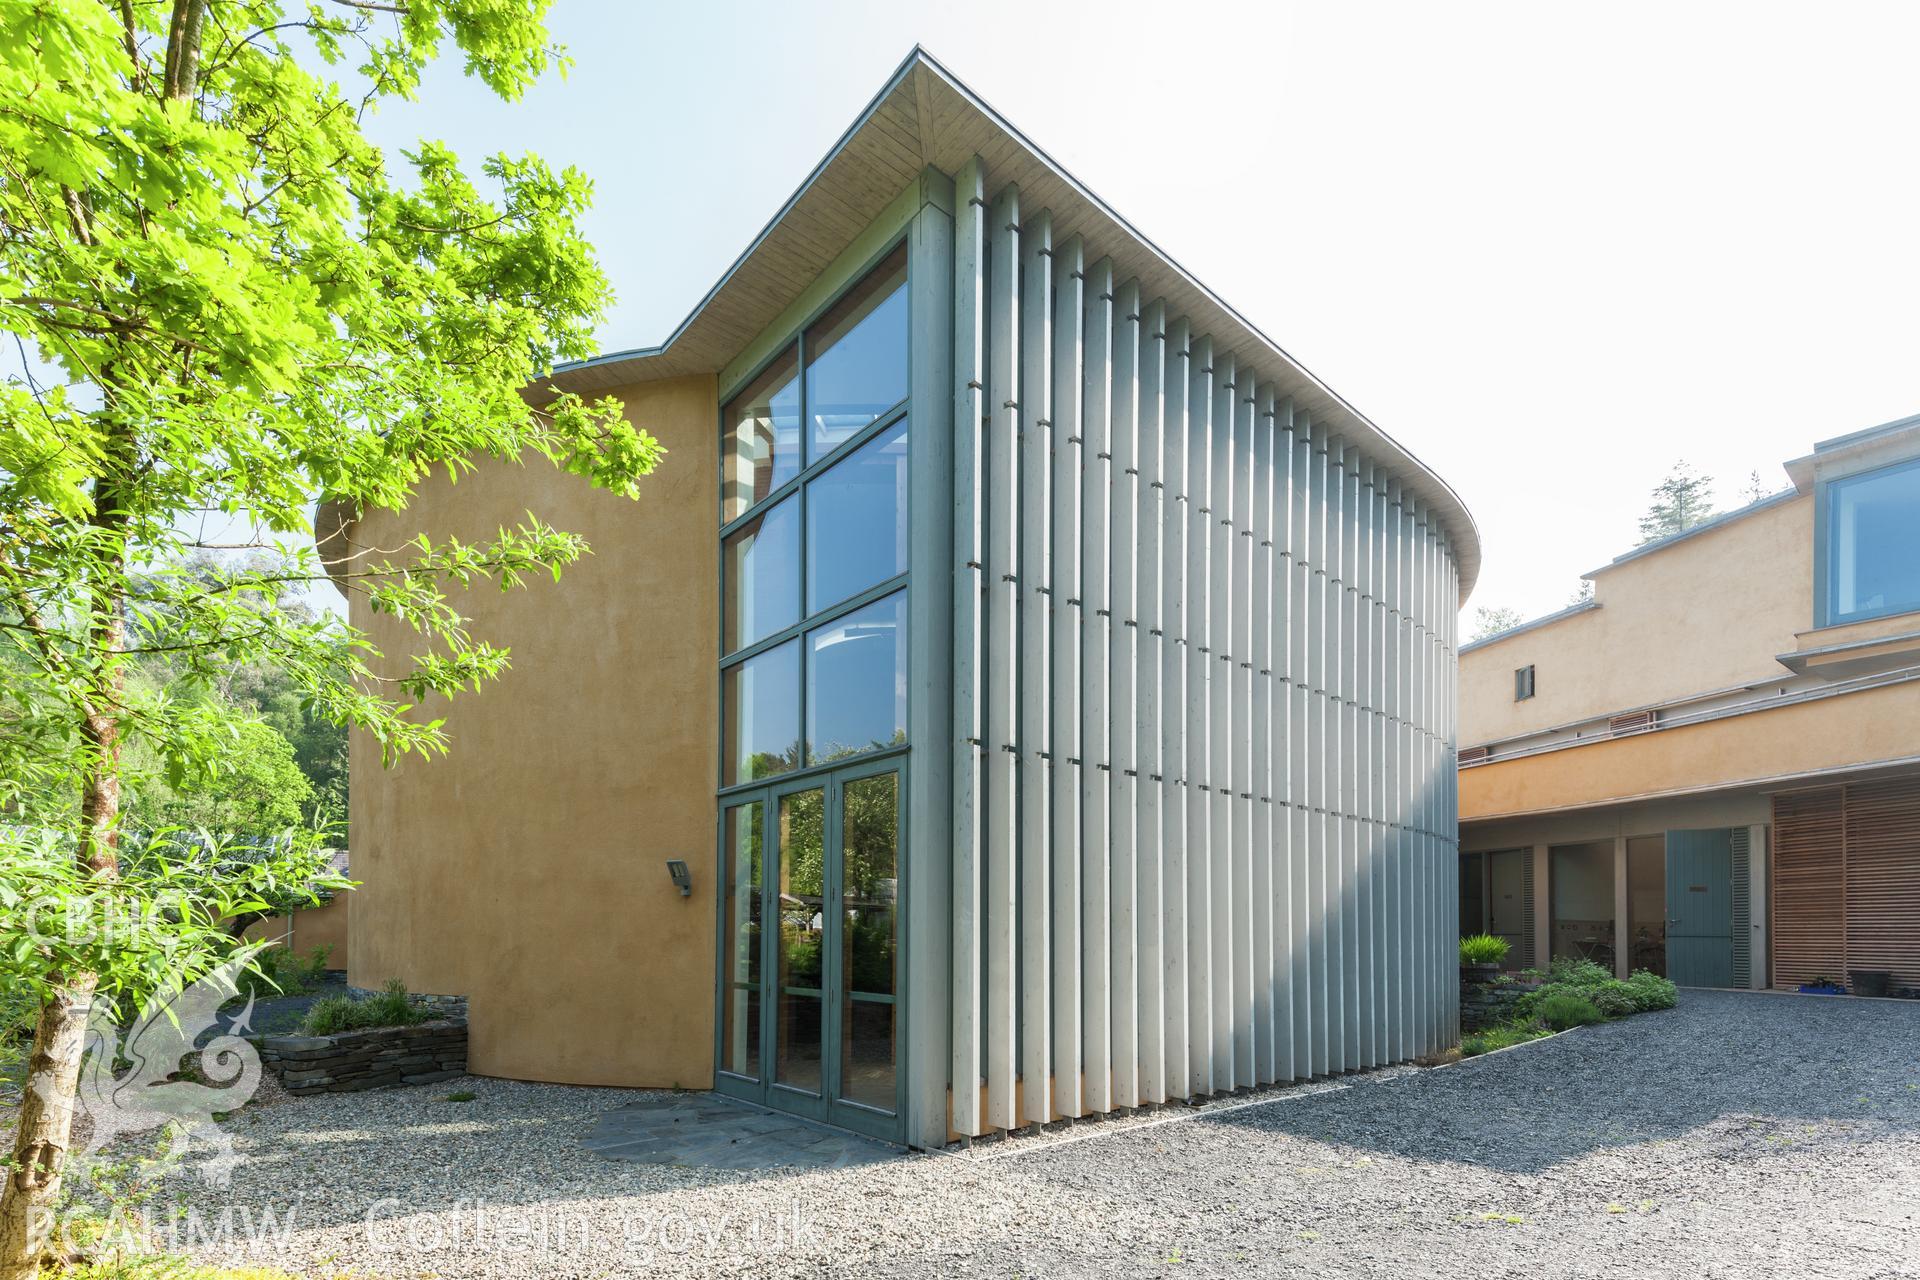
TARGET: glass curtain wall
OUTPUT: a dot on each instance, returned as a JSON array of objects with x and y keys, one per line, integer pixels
[{"x": 813, "y": 543}]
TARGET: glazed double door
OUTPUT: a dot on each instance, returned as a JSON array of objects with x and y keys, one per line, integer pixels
[{"x": 809, "y": 981}]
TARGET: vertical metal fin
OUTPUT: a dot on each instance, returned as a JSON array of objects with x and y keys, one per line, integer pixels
[
  {"x": 1097, "y": 900},
  {"x": 1002, "y": 1007},
  {"x": 1064, "y": 740},
  {"x": 1130, "y": 890},
  {"x": 969, "y": 608},
  {"x": 1035, "y": 673},
  {"x": 1203, "y": 712}
]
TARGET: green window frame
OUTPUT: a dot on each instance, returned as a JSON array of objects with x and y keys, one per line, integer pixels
[{"x": 797, "y": 356}]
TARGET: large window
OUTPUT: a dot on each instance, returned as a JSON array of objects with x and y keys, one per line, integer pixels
[
  {"x": 814, "y": 541},
  {"x": 1873, "y": 544}
]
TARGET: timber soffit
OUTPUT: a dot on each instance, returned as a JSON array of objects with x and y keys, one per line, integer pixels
[{"x": 925, "y": 116}]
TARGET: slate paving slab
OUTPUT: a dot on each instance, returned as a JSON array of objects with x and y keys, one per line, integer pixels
[{"x": 714, "y": 1132}]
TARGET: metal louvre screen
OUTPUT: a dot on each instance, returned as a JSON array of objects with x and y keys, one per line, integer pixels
[
  {"x": 1204, "y": 776},
  {"x": 1529, "y": 938},
  {"x": 1742, "y": 908}
]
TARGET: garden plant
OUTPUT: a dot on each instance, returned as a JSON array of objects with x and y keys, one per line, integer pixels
[{"x": 1572, "y": 993}]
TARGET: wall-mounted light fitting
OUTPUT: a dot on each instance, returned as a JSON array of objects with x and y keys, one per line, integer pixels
[{"x": 682, "y": 878}]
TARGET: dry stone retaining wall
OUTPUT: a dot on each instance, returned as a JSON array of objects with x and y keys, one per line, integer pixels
[
  {"x": 1486, "y": 1004},
  {"x": 372, "y": 1059}
]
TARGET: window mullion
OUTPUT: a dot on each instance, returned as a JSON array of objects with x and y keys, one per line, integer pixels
[{"x": 805, "y": 552}]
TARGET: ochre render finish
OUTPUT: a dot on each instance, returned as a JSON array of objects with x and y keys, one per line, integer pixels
[{"x": 526, "y": 869}]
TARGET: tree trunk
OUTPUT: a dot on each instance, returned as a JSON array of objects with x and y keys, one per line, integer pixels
[
  {"x": 45, "y": 1113},
  {"x": 46, "y": 1121}
]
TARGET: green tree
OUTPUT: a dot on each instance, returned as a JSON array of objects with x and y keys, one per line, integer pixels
[
  {"x": 257, "y": 790},
  {"x": 1681, "y": 501},
  {"x": 244, "y": 304},
  {"x": 1491, "y": 622},
  {"x": 263, "y": 688}
]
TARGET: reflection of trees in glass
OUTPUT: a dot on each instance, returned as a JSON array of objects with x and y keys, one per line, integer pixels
[
  {"x": 799, "y": 950},
  {"x": 770, "y": 764},
  {"x": 828, "y": 752},
  {"x": 748, "y": 830},
  {"x": 870, "y": 855},
  {"x": 803, "y": 826},
  {"x": 870, "y": 827},
  {"x": 870, "y": 861}
]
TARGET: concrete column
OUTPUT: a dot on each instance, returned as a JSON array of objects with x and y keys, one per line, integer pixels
[
  {"x": 927, "y": 869},
  {"x": 1621, "y": 947},
  {"x": 1542, "y": 907}
]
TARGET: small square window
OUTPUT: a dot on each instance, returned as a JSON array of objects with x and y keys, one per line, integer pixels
[{"x": 1523, "y": 684}]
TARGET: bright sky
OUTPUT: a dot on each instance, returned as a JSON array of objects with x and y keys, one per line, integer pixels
[{"x": 1550, "y": 248}]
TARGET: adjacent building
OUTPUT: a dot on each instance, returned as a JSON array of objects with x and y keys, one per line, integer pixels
[
  {"x": 1045, "y": 681},
  {"x": 1711, "y": 768}
]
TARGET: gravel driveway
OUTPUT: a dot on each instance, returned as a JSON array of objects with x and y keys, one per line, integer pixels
[{"x": 1739, "y": 1135}]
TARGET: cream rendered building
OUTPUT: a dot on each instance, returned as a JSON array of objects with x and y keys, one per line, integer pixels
[{"x": 1712, "y": 767}]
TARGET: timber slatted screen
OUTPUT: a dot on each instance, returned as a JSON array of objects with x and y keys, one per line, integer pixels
[
  {"x": 1809, "y": 918},
  {"x": 1846, "y": 882},
  {"x": 1883, "y": 878}
]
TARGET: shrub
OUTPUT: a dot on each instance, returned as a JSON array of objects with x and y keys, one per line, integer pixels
[
  {"x": 390, "y": 1008},
  {"x": 328, "y": 1016},
  {"x": 1503, "y": 1037},
  {"x": 1613, "y": 998},
  {"x": 1483, "y": 948},
  {"x": 1651, "y": 991},
  {"x": 281, "y": 971},
  {"x": 1581, "y": 974},
  {"x": 1563, "y": 1010},
  {"x": 1588, "y": 981}
]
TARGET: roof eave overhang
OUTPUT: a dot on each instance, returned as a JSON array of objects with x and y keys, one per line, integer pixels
[{"x": 924, "y": 116}]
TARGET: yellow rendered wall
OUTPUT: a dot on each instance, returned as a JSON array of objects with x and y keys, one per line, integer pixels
[
  {"x": 1870, "y": 727},
  {"x": 1708, "y": 613},
  {"x": 326, "y": 926},
  {"x": 526, "y": 869}
]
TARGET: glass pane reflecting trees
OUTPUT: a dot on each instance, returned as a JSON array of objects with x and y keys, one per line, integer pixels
[
  {"x": 761, "y": 714},
  {"x": 799, "y": 1011},
  {"x": 742, "y": 841},
  {"x": 870, "y": 885}
]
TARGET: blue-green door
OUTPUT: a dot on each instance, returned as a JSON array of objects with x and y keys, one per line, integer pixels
[{"x": 1700, "y": 907}]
